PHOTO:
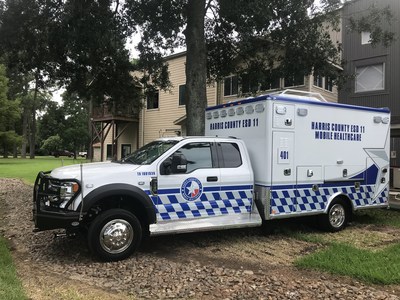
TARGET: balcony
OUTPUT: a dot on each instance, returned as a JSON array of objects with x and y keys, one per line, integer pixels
[{"x": 123, "y": 112}]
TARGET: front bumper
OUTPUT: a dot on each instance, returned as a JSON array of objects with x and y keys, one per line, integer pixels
[{"x": 50, "y": 216}]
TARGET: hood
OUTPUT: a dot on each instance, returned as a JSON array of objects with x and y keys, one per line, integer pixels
[{"x": 92, "y": 170}]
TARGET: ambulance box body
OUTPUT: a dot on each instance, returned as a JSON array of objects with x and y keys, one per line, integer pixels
[{"x": 305, "y": 152}]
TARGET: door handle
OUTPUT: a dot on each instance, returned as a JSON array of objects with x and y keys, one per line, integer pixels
[{"x": 212, "y": 178}]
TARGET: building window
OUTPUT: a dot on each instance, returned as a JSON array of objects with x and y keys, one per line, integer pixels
[
  {"x": 231, "y": 86},
  {"x": 370, "y": 78},
  {"x": 328, "y": 84},
  {"x": 271, "y": 81},
  {"x": 248, "y": 85},
  {"x": 182, "y": 91},
  {"x": 109, "y": 151},
  {"x": 318, "y": 80},
  {"x": 125, "y": 150},
  {"x": 365, "y": 37},
  {"x": 152, "y": 100},
  {"x": 294, "y": 80}
]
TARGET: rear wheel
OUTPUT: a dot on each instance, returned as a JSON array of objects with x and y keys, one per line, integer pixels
[
  {"x": 114, "y": 235},
  {"x": 337, "y": 217}
]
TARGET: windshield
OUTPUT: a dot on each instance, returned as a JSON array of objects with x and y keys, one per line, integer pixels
[{"x": 149, "y": 153}]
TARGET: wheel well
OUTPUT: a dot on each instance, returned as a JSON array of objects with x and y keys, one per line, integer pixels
[
  {"x": 347, "y": 202},
  {"x": 126, "y": 202}
]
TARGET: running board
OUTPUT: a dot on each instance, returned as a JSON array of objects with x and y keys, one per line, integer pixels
[{"x": 206, "y": 224}]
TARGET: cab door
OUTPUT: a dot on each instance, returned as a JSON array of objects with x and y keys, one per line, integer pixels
[{"x": 189, "y": 191}]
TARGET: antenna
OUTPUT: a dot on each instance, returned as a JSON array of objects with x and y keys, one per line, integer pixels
[{"x": 81, "y": 212}]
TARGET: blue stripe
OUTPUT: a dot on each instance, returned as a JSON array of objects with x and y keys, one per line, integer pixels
[
  {"x": 211, "y": 189},
  {"x": 208, "y": 189},
  {"x": 288, "y": 98},
  {"x": 235, "y": 188},
  {"x": 309, "y": 186},
  {"x": 169, "y": 191},
  {"x": 370, "y": 176}
]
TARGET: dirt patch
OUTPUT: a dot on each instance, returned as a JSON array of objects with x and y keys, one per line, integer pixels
[{"x": 233, "y": 264}]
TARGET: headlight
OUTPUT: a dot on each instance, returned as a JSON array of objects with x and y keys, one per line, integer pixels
[
  {"x": 68, "y": 190},
  {"x": 61, "y": 191}
]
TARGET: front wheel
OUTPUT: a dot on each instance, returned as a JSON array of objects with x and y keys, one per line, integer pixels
[
  {"x": 337, "y": 217},
  {"x": 114, "y": 235}
]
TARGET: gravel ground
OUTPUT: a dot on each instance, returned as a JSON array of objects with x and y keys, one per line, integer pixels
[{"x": 234, "y": 264}]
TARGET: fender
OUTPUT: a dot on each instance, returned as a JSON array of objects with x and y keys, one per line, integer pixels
[
  {"x": 120, "y": 189},
  {"x": 339, "y": 194}
]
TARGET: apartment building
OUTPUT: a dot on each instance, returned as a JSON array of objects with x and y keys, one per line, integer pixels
[
  {"x": 119, "y": 132},
  {"x": 164, "y": 114},
  {"x": 373, "y": 70}
]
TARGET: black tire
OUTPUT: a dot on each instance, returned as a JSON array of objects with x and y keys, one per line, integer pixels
[
  {"x": 114, "y": 235},
  {"x": 337, "y": 217},
  {"x": 268, "y": 227}
]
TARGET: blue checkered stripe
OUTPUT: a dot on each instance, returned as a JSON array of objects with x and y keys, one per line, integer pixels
[
  {"x": 211, "y": 203},
  {"x": 362, "y": 199},
  {"x": 305, "y": 199}
]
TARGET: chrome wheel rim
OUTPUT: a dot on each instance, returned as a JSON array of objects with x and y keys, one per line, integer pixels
[
  {"x": 116, "y": 236},
  {"x": 337, "y": 215}
]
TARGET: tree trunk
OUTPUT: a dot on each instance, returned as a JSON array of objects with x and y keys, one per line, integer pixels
[
  {"x": 89, "y": 154},
  {"x": 196, "y": 67},
  {"x": 24, "y": 131},
  {"x": 15, "y": 150}
]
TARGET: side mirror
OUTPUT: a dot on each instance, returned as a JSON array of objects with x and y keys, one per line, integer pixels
[
  {"x": 165, "y": 168},
  {"x": 179, "y": 163}
]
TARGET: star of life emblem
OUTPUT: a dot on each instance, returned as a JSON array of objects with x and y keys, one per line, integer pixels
[{"x": 191, "y": 189}]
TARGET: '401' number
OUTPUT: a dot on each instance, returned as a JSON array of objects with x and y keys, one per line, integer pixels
[{"x": 284, "y": 155}]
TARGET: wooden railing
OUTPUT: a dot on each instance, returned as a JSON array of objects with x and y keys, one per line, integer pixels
[{"x": 104, "y": 111}]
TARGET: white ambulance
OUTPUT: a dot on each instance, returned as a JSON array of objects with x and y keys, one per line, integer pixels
[
  {"x": 310, "y": 156},
  {"x": 264, "y": 158}
]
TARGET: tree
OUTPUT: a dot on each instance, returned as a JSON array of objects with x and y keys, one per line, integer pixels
[
  {"x": 9, "y": 114},
  {"x": 375, "y": 21},
  {"x": 257, "y": 39},
  {"x": 233, "y": 36},
  {"x": 79, "y": 45},
  {"x": 65, "y": 127},
  {"x": 94, "y": 64},
  {"x": 29, "y": 53},
  {"x": 52, "y": 144},
  {"x": 51, "y": 123},
  {"x": 76, "y": 134}
]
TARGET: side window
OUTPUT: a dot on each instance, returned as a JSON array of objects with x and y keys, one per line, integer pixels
[
  {"x": 198, "y": 156},
  {"x": 231, "y": 155},
  {"x": 182, "y": 91},
  {"x": 231, "y": 86},
  {"x": 153, "y": 100}
]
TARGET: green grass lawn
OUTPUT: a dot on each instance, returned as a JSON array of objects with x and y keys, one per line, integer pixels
[
  {"x": 378, "y": 265},
  {"x": 27, "y": 169},
  {"x": 10, "y": 285}
]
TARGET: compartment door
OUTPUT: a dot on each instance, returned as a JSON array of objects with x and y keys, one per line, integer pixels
[{"x": 283, "y": 173}]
